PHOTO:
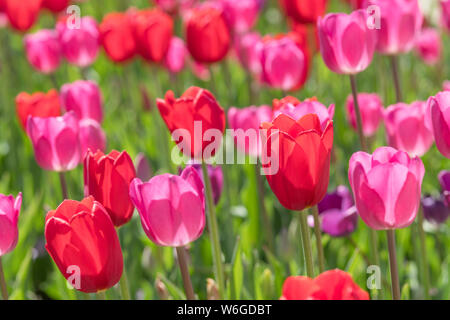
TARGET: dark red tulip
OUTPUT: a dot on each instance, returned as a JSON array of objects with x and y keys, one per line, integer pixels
[
  {"x": 298, "y": 168},
  {"x": 82, "y": 241},
  {"x": 38, "y": 104},
  {"x": 195, "y": 105},
  {"x": 107, "y": 178},
  {"x": 207, "y": 35},
  {"x": 22, "y": 13},
  {"x": 55, "y": 5},
  {"x": 116, "y": 36},
  {"x": 304, "y": 11},
  {"x": 153, "y": 30}
]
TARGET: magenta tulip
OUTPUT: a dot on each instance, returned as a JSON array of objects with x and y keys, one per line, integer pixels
[
  {"x": 172, "y": 208},
  {"x": 407, "y": 129},
  {"x": 347, "y": 43},
  {"x": 246, "y": 123},
  {"x": 386, "y": 186},
  {"x": 439, "y": 115},
  {"x": 80, "y": 46},
  {"x": 248, "y": 48},
  {"x": 176, "y": 56},
  {"x": 9, "y": 215},
  {"x": 445, "y": 5},
  {"x": 429, "y": 46},
  {"x": 371, "y": 108},
  {"x": 400, "y": 24},
  {"x": 43, "y": 50},
  {"x": 83, "y": 97},
  {"x": 91, "y": 136},
  {"x": 55, "y": 141},
  {"x": 240, "y": 15}
]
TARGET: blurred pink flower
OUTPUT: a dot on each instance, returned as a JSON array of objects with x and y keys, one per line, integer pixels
[
  {"x": 9, "y": 216},
  {"x": 92, "y": 137},
  {"x": 439, "y": 116},
  {"x": 446, "y": 85},
  {"x": 175, "y": 58},
  {"x": 83, "y": 97},
  {"x": 429, "y": 46},
  {"x": 43, "y": 50},
  {"x": 241, "y": 15},
  {"x": 248, "y": 48},
  {"x": 445, "y": 5},
  {"x": 371, "y": 108}
]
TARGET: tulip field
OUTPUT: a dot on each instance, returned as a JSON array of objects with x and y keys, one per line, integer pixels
[{"x": 224, "y": 150}]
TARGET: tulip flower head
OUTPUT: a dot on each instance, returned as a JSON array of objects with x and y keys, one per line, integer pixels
[
  {"x": 92, "y": 136},
  {"x": 304, "y": 11},
  {"x": 445, "y": 5},
  {"x": 175, "y": 58},
  {"x": 9, "y": 216},
  {"x": 446, "y": 85},
  {"x": 55, "y": 141},
  {"x": 215, "y": 175},
  {"x": 107, "y": 178},
  {"x": 435, "y": 210},
  {"x": 329, "y": 285},
  {"x": 444, "y": 179},
  {"x": 172, "y": 208},
  {"x": 386, "y": 186},
  {"x": 439, "y": 116},
  {"x": 248, "y": 48},
  {"x": 22, "y": 14},
  {"x": 347, "y": 44},
  {"x": 83, "y": 97},
  {"x": 371, "y": 108},
  {"x": 81, "y": 238},
  {"x": 43, "y": 50},
  {"x": 241, "y": 15},
  {"x": 429, "y": 46}
]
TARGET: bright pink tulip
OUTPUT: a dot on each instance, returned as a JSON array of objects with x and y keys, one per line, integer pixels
[
  {"x": 248, "y": 120},
  {"x": 371, "y": 108},
  {"x": 84, "y": 98},
  {"x": 240, "y": 15},
  {"x": 92, "y": 136},
  {"x": 43, "y": 50},
  {"x": 9, "y": 215},
  {"x": 346, "y": 42},
  {"x": 285, "y": 65},
  {"x": 175, "y": 58},
  {"x": 80, "y": 46},
  {"x": 407, "y": 129},
  {"x": 248, "y": 48},
  {"x": 172, "y": 208},
  {"x": 445, "y": 5},
  {"x": 298, "y": 111},
  {"x": 400, "y": 24},
  {"x": 446, "y": 85},
  {"x": 439, "y": 116},
  {"x": 429, "y": 46},
  {"x": 386, "y": 186},
  {"x": 55, "y": 141}
]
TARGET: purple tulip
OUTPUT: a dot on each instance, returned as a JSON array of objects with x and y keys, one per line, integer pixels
[
  {"x": 435, "y": 210},
  {"x": 215, "y": 175},
  {"x": 444, "y": 179}
]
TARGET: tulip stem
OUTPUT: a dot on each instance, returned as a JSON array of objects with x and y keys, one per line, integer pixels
[
  {"x": 362, "y": 139},
  {"x": 124, "y": 288},
  {"x": 396, "y": 75},
  {"x": 318, "y": 234},
  {"x": 62, "y": 180},
  {"x": 423, "y": 249},
  {"x": 262, "y": 208},
  {"x": 214, "y": 233},
  {"x": 393, "y": 264},
  {"x": 183, "y": 263},
  {"x": 3, "y": 286},
  {"x": 306, "y": 243}
]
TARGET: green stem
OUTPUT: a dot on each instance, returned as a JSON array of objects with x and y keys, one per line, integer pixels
[
  {"x": 124, "y": 288},
  {"x": 306, "y": 243},
  {"x": 423, "y": 249},
  {"x": 318, "y": 234},
  {"x": 362, "y": 139},
  {"x": 262, "y": 208},
  {"x": 214, "y": 233},
  {"x": 182, "y": 262},
  {"x": 393, "y": 265},
  {"x": 62, "y": 180},
  {"x": 3, "y": 287},
  {"x": 396, "y": 75}
]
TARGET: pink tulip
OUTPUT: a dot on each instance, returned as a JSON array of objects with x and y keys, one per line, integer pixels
[
  {"x": 9, "y": 215},
  {"x": 55, "y": 141},
  {"x": 285, "y": 65},
  {"x": 248, "y": 121},
  {"x": 400, "y": 24},
  {"x": 3, "y": 20},
  {"x": 80, "y": 46},
  {"x": 43, "y": 50},
  {"x": 407, "y": 129},
  {"x": 175, "y": 6},
  {"x": 91, "y": 136},
  {"x": 371, "y": 108},
  {"x": 172, "y": 208},
  {"x": 439, "y": 116},
  {"x": 346, "y": 42},
  {"x": 248, "y": 48},
  {"x": 200, "y": 70},
  {"x": 386, "y": 186},
  {"x": 446, "y": 85},
  {"x": 429, "y": 46},
  {"x": 240, "y": 15},
  {"x": 83, "y": 97},
  {"x": 176, "y": 55},
  {"x": 297, "y": 111},
  {"x": 445, "y": 5}
]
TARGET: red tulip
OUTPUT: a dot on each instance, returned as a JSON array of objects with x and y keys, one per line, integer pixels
[
  {"x": 55, "y": 5},
  {"x": 195, "y": 105},
  {"x": 304, "y": 11},
  {"x": 153, "y": 30},
  {"x": 300, "y": 172},
  {"x": 207, "y": 35},
  {"x": 81, "y": 239},
  {"x": 22, "y": 13},
  {"x": 116, "y": 36},
  {"x": 329, "y": 285},
  {"x": 39, "y": 104},
  {"x": 107, "y": 178}
]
